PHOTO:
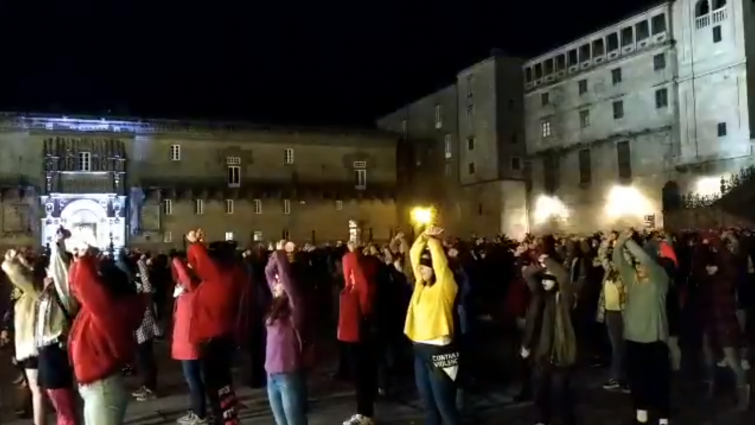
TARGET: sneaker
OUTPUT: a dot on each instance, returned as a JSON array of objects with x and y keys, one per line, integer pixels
[
  {"x": 745, "y": 365},
  {"x": 146, "y": 395},
  {"x": 191, "y": 419},
  {"x": 140, "y": 392},
  {"x": 359, "y": 420},
  {"x": 624, "y": 388},
  {"x": 612, "y": 384},
  {"x": 722, "y": 363}
]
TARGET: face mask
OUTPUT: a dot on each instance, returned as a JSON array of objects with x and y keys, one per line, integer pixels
[
  {"x": 711, "y": 269},
  {"x": 548, "y": 284}
]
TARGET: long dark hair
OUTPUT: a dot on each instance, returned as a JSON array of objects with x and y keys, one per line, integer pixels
[{"x": 279, "y": 309}]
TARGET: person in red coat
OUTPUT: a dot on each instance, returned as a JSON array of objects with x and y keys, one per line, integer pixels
[
  {"x": 355, "y": 323},
  {"x": 102, "y": 340},
  {"x": 217, "y": 323}
]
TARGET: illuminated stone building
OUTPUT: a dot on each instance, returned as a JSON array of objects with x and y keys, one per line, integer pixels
[
  {"x": 619, "y": 120},
  {"x": 147, "y": 182}
]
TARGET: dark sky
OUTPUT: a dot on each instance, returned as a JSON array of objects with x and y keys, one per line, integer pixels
[{"x": 317, "y": 62}]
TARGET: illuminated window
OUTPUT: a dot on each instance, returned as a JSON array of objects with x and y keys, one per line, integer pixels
[
  {"x": 175, "y": 152},
  {"x": 448, "y": 146},
  {"x": 546, "y": 128},
  {"x": 199, "y": 206},
  {"x": 438, "y": 116},
  {"x": 360, "y": 178},
  {"x": 229, "y": 206},
  {"x": 228, "y": 236},
  {"x": 233, "y": 160},
  {"x": 258, "y": 206},
  {"x": 288, "y": 156},
  {"x": 287, "y": 206},
  {"x": 85, "y": 161},
  {"x": 257, "y": 236},
  {"x": 339, "y": 205},
  {"x": 234, "y": 176},
  {"x": 167, "y": 206},
  {"x": 168, "y": 236}
]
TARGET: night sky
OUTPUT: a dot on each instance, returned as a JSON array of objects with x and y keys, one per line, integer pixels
[{"x": 345, "y": 63}]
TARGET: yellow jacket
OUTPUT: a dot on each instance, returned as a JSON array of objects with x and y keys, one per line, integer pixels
[{"x": 430, "y": 318}]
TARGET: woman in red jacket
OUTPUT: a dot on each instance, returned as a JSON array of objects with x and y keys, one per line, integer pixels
[{"x": 102, "y": 340}]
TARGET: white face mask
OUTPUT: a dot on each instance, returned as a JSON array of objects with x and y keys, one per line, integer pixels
[
  {"x": 548, "y": 284},
  {"x": 711, "y": 269}
]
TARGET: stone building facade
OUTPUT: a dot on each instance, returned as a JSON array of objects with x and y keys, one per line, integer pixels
[
  {"x": 467, "y": 147},
  {"x": 146, "y": 183}
]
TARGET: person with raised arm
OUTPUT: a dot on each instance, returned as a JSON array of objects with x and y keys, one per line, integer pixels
[{"x": 430, "y": 326}]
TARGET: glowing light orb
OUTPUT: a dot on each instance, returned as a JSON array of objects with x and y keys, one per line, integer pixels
[
  {"x": 626, "y": 201},
  {"x": 422, "y": 216},
  {"x": 549, "y": 207}
]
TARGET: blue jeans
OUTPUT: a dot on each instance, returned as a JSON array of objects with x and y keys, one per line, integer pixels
[
  {"x": 193, "y": 374},
  {"x": 438, "y": 393},
  {"x": 288, "y": 398}
]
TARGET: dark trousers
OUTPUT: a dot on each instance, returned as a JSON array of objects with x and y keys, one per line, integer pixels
[
  {"x": 145, "y": 362},
  {"x": 649, "y": 376},
  {"x": 438, "y": 393},
  {"x": 216, "y": 360},
  {"x": 192, "y": 370},
  {"x": 54, "y": 368},
  {"x": 257, "y": 374},
  {"x": 553, "y": 396},
  {"x": 363, "y": 360}
]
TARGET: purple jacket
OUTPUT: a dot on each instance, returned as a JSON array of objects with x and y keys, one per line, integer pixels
[{"x": 284, "y": 343}]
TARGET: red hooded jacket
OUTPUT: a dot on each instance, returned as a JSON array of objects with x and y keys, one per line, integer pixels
[
  {"x": 357, "y": 298},
  {"x": 102, "y": 335},
  {"x": 218, "y": 299}
]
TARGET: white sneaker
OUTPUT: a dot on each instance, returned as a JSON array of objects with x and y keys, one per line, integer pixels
[
  {"x": 745, "y": 364},
  {"x": 191, "y": 419},
  {"x": 359, "y": 420},
  {"x": 722, "y": 363}
]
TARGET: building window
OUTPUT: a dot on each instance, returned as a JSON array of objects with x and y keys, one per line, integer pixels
[
  {"x": 470, "y": 86},
  {"x": 471, "y": 168},
  {"x": 448, "y": 146},
  {"x": 584, "y": 118},
  {"x": 717, "y": 34},
  {"x": 285, "y": 234},
  {"x": 360, "y": 178},
  {"x": 546, "y": 128},
  {"x": 339, "y": 205},
  {"x": 438, "y": 116},
  {"x": 257, "y": 236},
  {"x": 514, "y": 139},
  {"x": 85, "y": 161},
  {"x": 448, "y": 169},
  {"x": 661, "y": 98},
  {"x": 167, "y": 236},
  {"x": 233, "y": 160},
  {"x": 470, "y": 112},
  {"x": 659, "y": 62},
  {"x": 624, "y": 159},
  {"x": 258, "y": 206},
  {"x": 175, "y": 152},
  {"x": 229, "y": 206},
  {"x": 598, "y": 47},
  {"x": 516, "y": 164},
  {"x": 360, "y": 164},
  {"x": 234, "y": 176},
  {"x": 286, "y": 206},
  {"x": 199, "y": 206},
  {"x": 627, "y": 37},
  {"x": 228, "y": 236},
  {"x": 545, "y": 99},
  {"x": 404, "y": 127},
  {"x": 613, "y": 42},
  {"x": 167, "y": 206},
  {"x": 616, "y": 76},
  {"x": 582, "y": 85},
  {"x": 550, "y": 174},
  {"x": 470, "y": 143},
  {"x": 642, "y": 30},
  {"x": 585, "y": 167},
  {"x": 658, "y": 23},
  {"x": 721, "y": 129},
  {"x": 288, "y": 156},
  {"x": 618, "y": 109}
]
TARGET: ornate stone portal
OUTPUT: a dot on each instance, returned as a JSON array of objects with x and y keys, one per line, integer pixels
[{"x": 98, "y": 219}]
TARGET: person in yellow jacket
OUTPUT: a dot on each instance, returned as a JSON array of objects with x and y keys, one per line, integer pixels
[{"x": 430, "y": 326}]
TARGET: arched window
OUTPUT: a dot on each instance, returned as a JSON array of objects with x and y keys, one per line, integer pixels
[
  {"x": 717, "y": 4},
  {"x": 702, "y": 8}
]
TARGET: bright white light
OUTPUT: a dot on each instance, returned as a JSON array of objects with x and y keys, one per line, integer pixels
[
  {"x": 422, "y": 216},
  {"x": 627, "y": 201},
  {"x": 708, "y": 186},
  {"x": 548, "y": 207}
]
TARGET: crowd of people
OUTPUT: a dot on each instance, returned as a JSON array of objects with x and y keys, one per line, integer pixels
[{"x": 80, "y": 319}]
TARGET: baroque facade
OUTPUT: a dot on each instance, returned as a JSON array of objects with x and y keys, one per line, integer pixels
[
  {"x": 617, "y": 122},
  {"x": 146, "y": 183}
]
